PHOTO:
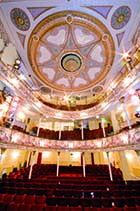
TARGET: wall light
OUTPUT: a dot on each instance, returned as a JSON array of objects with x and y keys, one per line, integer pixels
[{"x": 15, "y": 154}]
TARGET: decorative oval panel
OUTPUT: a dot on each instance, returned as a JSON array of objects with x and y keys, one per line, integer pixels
[
  {"x": 121, "y": 17},
  {"x": 20, "y": 19}
]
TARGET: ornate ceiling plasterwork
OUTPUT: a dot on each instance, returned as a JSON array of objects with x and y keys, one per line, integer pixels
[{"x": 71, "y": 51}]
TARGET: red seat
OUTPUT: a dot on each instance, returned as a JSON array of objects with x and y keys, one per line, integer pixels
[
  {"x": 29, "y": 199},
  {"x": 9, "y": 198},
  {"x": 96, "y": 202},
  {"x": 135, "y": 192},
  {"x": 73, "y": 202},
  {"x": 2, "y": 196},
  {"x": 137, "y": 200},
  {"x": 85, "y": 202},
  {"x": 126, "y": 193},
  {"x": 116, "y": 209},
  {"x": 37, "y": 207},
  {"x": 62, "y": 201},
  {"x": 30, "y": 191},
  {"x": 40, "y": 191},
  {"x": 13, "y": 207},
  {"x": 50, "y": 208},
  {"x": 68, "y": 192},
  {"x": 61, "y": 208},
  {"x": 118, "y": 201},
  {"x": 75, "y": 209},
  {"x": 24, "y": 207},
  {"x": 138, "y": 208},
  {"x": 40, "y": 199},
  {"x": 103, "y": 209},
  {"x": 129, "y": 209},
  {"x": 21, "y": 191},
  {"x": 117, "y": 193},
  {"x": 51, "y": 201},
  {"x": 77, "y": 193},
  {"x": 19, "y": 199},
  {"x": 106, "y": 202},
  {"x": 12, "y": 190},
  {"x": 129, "y": 201},
  {"x": 90, "y": 209},
  {"x": 58, "y": 192},
  {"x": 106, "y": 194}
]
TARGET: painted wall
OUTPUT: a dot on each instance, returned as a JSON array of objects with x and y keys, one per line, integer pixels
[
  {"x": 12, "y": 159},
  {"x": 127, "y": 161}
]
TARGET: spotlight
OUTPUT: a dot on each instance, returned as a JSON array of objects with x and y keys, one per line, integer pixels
[
  {"x": 17, "y": 61},
  {"x": 17, "y": 64}
]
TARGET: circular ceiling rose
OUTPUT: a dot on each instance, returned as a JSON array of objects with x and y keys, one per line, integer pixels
[
  {"x": 121, "y": 17},
  {"x": 73, "y": 51},
  {"x": 71, "y": 62},
  {"x": 20, "y": 19}
]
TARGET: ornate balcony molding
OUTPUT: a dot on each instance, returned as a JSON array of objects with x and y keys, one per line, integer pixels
[{"x": 125, "y": 140}]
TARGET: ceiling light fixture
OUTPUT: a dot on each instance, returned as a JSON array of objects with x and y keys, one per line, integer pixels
[{"x": 17, "y": 64}]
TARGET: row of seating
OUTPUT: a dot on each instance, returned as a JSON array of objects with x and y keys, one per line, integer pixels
[
  {"x": 70, "y": 135},
  {"x": 71, "y": 180},
  {"x": 6, "y": 199},
  {"x": 70, "y": 185},
  {"x": 66, "y": 191},
  {"x": 28, "y": 207},
  {"x": 41, "y": 171},
  {"x": 70, "y": 192}
]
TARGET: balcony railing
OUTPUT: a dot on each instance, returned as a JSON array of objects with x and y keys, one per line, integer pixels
[{"x": 129, "y": 139}]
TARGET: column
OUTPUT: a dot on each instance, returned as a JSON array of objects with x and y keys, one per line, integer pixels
[
  {"x": 82, "y": 131},
  {"x": 103, "y": 128},
  {"x": 39, "y": 158},
  {"x": 126, "y": 116},
  {"x": 84, "y": 171},
  {"x": 81, "y": 159},
  {"x": 29, "y": 159},
  {"x": 109, "y": 166},
  {"x": 60, "y": 131},
  {"x": 124, "y": 166},
  {"x": 122, "y": 101},
  {"x": 32, "y": 163},
  {"x": 38, "y": 129},
  {"x": 2, "y": 152},
  {"x": 92, "y": 158},
  {"x": 58, "y": 160},
  {"x": 115, "y": 123}
]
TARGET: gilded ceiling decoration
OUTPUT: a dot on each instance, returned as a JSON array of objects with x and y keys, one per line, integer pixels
[
  {"x": 121, "y": 17},
  {"x": 71, "y": 51},
  {"x": 20, "y": 19},
  {"x": 97, "y": 89}
]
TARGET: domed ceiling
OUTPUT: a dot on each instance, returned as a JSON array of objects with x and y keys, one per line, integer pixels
[{"x": 71, "y": 51}]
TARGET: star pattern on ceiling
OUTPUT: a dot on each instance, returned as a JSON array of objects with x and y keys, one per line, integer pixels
[{"x": 72, "y": 53}]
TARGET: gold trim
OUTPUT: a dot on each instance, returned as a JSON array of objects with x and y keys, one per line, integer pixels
[{"x": 79, "y": 19}]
